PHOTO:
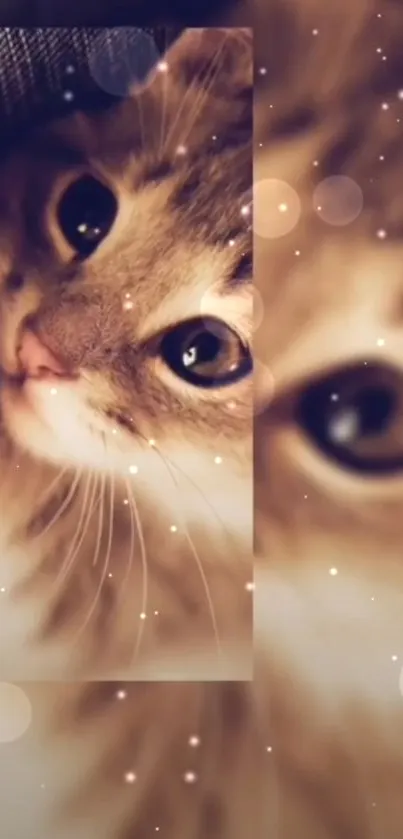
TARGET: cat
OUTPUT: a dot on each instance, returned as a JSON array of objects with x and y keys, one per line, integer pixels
[
  {"x": 328, "y": 465},
  {"x": 108, "y": 758},
  {"x": 125, "y": 396}
]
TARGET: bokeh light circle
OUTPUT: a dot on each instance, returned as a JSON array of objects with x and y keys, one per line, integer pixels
[
  {"x": 121, "y": 58},
  {"x": 338, "y": 200},
  {"x": 277, "y": 208},
  {"x": 258, "y": 309},
  {"x": 15, "y": 712}
]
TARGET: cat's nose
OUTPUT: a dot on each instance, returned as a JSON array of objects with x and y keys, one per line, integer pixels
[{"x": 36, "y": 360}]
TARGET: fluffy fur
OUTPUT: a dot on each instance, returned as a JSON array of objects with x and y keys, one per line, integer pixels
[
  {"x": 101, "y": 568},
  {"x": 329, "y": 595}
]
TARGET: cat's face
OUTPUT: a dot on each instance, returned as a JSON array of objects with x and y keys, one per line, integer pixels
[
  {"x": 126, "y": 267},
  {"x": 329, "y": 476}
]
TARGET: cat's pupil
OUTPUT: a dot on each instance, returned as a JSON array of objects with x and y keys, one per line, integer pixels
[
  {"x": 356, "y": 421},
  {"x": 86, "y": 214},
  {"x": 206, "y": 353},
  {"x": 204, "y": 348},
  {"x": 368, "y": 414}
]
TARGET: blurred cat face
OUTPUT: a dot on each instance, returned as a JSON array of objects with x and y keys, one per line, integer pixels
[
  {"x": 126, "y": 266},
  {"x": 330, "y": 421}
]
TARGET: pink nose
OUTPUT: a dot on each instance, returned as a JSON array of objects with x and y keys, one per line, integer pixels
[{"x": 36, "y": 360}]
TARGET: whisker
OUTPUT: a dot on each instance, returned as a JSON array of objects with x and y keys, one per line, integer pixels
[
  {"x": 53, "y": 484},
  {"x": 122, "y": 589},
  {"x": 143, "y": 555},
  {"x": 105, "y": 565},
  {"x": 86, "y": 513},
  {"x": 198, "y": 561},
  {"x": 201, "y": 94},
  {"x": 64, "y": 505}
]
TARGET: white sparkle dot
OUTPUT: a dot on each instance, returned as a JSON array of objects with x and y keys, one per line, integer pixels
[
  {"x": 380, "y": 342},
  {"x": 190, "y": 777},
  {"x": 335, "y": 397},
  {"x": 315, "y": 31},
  {"x": 133, "y": 470},
  {"x": 114, "y": 431},
  {"x": 218, "y": 460},
  {"x": 379, "y": 49},
  {"x": 394, "y": 657},
  {"x": 121, "y": 694},
  {"x": 262, "y": 71},
  {"x": 305, "y": 496},
  {"x": 381, "y": 234},
  {"x": 162, "y": 67},
  {"x": 2, "y": 589},
  {"x": 143, "y": 616},
  {"x": 70, "y": 69},
  {"x": 130, "y": 777},
  {"x": 156, "y": 612},
  {"x": 283, "y": 208},
  {"x": 269, "y": 748},
  {"x": 297, "y": 253},
  {"x": 385, "y": 106},
  {"x": 53, "y": 391},
  {"x": 68, "y": 95},
  {"x": 214, "y": 137},
  {"x": 384, "y": 58},
  {"x": 400, "y": 94},
  {"x": 250, "y": 586},
  {"x": 173, "y": 528},
  {"x": 181, "y": 150},
  {"x": 231, "y": 243},
  {"x": 194, "y": 741},
  {"x": 316, "y": 162},
  {"x": 125, "y": 501},
  {"x": 151, "y": 443},
  {"x": 381, "y": 157},
  {"x": 333, "y": 572},
  {"x": 127, "y": 305},
  {"x": 245, "y": 210}
]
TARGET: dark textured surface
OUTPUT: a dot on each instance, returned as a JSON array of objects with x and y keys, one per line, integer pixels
[
  {"x": 47, "y": 72},
  {"x": 112, "y": 12}
]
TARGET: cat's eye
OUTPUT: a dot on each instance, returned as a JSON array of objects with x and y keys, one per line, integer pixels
[
  {"x": 355, "y": 417},
  {"x": 206, "y": 353},
  {"x": 86, "y": 213}
]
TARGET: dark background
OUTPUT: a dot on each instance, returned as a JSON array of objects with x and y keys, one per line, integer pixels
[
  {"x": 113, "y": 12},
  {"x": 39, "y": 39}
]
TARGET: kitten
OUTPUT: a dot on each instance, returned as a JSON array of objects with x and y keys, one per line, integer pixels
[
  {"x": 328, "y": 441},
  {"x": 125, "y": 314}
]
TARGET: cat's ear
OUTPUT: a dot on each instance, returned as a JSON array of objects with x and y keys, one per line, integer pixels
[
  {"x": 203, "y": 86},
  {"x": 218, "y": 61}
]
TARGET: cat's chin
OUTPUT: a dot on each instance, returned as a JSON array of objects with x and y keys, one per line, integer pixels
[{"x": 50, "y": 419}]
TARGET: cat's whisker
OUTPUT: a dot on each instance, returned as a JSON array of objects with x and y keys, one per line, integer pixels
[
  {"x": 101, "y": 502},
  {"x": 82, "y": 526},
  {"x": 196, "y": 100},
  {"x": 197, "y": 559},
  {"x": 106, "y": 562},
  {"x": 63, "y": 506},
  {"x": 122, "y": 589},
  {"x": 198, "y": 490},
  {"x": 49, "y": 489},
  {"x": 135, "y": 516},
  {"x": 163, "y": 115}
]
